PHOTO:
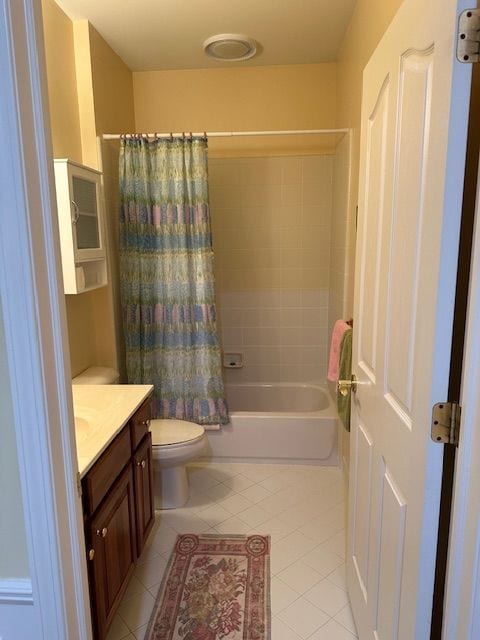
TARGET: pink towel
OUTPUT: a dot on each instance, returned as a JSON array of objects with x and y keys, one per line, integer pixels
[{"x": 339, "y": 329}]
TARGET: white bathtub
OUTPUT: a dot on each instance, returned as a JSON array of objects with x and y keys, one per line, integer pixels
[{"x": 281, "y": 421}]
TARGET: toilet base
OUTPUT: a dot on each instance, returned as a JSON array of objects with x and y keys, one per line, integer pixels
[{"x": 170, "y": 487}]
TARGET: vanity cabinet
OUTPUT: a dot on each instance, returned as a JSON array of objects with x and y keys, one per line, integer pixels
[
  {"x": 112, "y": 535},
  {"x": 118, "y": 514},
  {"x": 143, "y": 479},
  {"x": 81, "y": 226}
]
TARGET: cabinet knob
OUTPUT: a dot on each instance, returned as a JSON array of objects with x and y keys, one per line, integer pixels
[
  {"x": 103, "y": 532},
  {"x": 91, "y": 554},
  {"x": 141, "y": 463},
  {"x": 146, "y": 423}
]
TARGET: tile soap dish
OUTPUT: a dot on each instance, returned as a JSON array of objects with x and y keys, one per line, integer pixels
[{"x": 233, "y": 360}]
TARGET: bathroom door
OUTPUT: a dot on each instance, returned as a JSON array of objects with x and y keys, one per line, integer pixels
[{"x": 413, "y": 137}]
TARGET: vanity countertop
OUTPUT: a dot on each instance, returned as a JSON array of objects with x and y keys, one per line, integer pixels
[{"x": 101, "y": 411}]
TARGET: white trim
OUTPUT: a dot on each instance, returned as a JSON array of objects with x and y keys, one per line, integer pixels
[
  {"x": 35, "y": 333},
  {"x": 17, "y": 590}
]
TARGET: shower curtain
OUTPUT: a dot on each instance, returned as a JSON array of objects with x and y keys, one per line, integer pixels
[{"x": 166, "y": 277}]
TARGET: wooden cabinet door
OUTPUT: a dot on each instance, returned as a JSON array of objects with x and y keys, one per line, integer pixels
[
  {"x": 143, "y": 473},
  {"x": 113, "y": 539}
]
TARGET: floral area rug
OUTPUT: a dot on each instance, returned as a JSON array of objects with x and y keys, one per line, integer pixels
[{"x": 216, "y": 587}]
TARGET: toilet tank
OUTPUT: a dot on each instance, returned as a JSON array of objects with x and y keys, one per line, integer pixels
[{"x": 97, "y": 375}]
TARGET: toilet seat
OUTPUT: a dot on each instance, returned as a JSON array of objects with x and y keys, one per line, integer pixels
[{"x": 166, "y": 433}]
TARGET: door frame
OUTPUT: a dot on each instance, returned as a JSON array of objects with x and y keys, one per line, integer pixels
[
  {"x": 462, "y": 596},
  {"x": 52, "y": 602}
]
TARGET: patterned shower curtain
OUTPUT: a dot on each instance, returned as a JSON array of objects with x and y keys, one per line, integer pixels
[{"x": 166, "y": 277}]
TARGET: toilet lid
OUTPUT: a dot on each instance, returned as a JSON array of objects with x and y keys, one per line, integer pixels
[{"x": 174, "y": 431}]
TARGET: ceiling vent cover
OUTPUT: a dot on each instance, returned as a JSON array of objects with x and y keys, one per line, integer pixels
[{"x": 230, "y": 46}]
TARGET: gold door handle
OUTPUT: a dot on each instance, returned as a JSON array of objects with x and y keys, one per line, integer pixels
[{"x": 344, "y": 386}]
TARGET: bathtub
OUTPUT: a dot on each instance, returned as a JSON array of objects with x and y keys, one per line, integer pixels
[{"x": 277, "y": 422}]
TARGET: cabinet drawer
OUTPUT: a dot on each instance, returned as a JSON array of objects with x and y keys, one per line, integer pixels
[
  {"x": 139, "y": 423},
  {"x": 100, "y": 478}
]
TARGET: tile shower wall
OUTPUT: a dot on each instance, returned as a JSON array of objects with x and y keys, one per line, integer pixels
[
  {"x": 271, "y": 221},
  {"x": 342, "y": 239}
]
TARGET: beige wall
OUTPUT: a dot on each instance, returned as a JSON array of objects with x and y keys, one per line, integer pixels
[
  {"x": 254, "y": 98},
  {"x": 13, "y": 549},
  {"x": 112, "y": 88},
  {"x": 61, "y": 79},
  {"x": 112, "y": 84},
  {"x": 67, "y": 143},
  {"x": 90, "y": 91},
  {"x": 271, "y": 236}
]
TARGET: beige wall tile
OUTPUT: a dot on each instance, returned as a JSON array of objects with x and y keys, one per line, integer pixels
[
  {"x": 291, "y": 195},
  {"x": 292, "y": 258},
  {"x": 291, "y": 170},
  {"x": 273, "y": 255},
  {"x": 262, "y": 171},
  {"x": 317, "y": 168},
  {"x": 292, "y": 317},
  {"x": 316, "y": 193}
]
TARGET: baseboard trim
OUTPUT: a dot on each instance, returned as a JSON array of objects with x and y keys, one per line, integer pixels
[{"x": 16, "y": 590}]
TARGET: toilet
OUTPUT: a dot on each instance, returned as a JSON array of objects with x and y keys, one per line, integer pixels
[{"x": 174, "y": 443}]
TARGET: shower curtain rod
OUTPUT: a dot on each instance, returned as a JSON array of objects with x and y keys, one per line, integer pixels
[{"x": 226, "y": 134}]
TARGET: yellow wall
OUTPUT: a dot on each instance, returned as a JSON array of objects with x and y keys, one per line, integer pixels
[
  {"x": 113, "y": 105},
  {"x": 253, "y": 98},
  {"x": 67, "y": 143},
  {"x": 61, "y": 78},
  {"x": 90, "y": 90},
  {"x": 112, "y": 88}
]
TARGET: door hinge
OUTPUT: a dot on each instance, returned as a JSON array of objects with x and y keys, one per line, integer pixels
[
  {"x": 446, "y": 422},
  {"x": 468, "y": 39},
  {"x": 79, "y": 484}
]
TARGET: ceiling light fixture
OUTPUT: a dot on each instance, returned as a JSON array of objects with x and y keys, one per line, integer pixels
[{"x": 230, "y": 46}]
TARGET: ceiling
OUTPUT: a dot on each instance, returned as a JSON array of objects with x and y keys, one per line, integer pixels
[{"x": 168, "y": 34}]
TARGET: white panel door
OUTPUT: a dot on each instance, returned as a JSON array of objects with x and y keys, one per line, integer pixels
[{"x": 411, "y": 179}]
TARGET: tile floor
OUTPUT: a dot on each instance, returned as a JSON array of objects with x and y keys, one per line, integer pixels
[{"x": 303, "y": 510}]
